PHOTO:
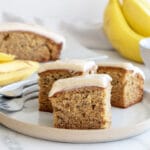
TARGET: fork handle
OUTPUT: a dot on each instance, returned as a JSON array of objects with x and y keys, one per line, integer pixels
[
  {"x": 30, "y": 82},
  {"x": 31, "y": 96},
  {"x": 30, "y": 89},
  {"x": 20, "y": 84}
]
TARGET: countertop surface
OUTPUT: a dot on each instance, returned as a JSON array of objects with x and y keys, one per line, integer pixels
[{"x": 10, "y": 140}]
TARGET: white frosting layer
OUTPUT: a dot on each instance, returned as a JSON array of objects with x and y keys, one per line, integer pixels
[
  {"x": 5, "y": 27},
  {"x": 74, "y": 65},
  {"x": 98, "y": 80},
  {"x": 124, "y": 65}
]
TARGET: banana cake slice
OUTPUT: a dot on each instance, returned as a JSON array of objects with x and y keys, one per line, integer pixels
[
  {"x": 82, "y": 102},
  {"x": 50, "y": 72},
  {"x": 127, "y": 83},
  {"x": 30, "y": 42}
]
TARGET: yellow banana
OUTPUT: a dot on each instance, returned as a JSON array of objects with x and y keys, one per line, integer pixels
[
  {"x": 6, "y": 57},
  {"x": 121, "y": 36},
  {"x": 16, "y": 70},
  {"x": 137, "y": 14}
]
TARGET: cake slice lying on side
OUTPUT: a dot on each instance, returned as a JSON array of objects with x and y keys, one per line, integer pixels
[
  {"x": 30, "y": 42},
  {"x": 82, "y": 102},
  {"x": 53, "y": 71},
  {"x": 128, "y": 83}
]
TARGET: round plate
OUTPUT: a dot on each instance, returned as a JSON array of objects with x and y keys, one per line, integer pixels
[{"x": 125, "y": 123}]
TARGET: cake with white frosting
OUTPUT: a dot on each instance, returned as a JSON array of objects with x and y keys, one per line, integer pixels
[
  {"x": 82, "y": 102},
  {"x": 50, "y": 72},
  {"x": 30, "y": 42},
  {"x": 128, "y": 83}
]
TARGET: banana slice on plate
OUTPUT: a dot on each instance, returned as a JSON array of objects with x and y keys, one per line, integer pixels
[
  {"x": 6, "y": 57},
  {"x": 16, "y": 70}
]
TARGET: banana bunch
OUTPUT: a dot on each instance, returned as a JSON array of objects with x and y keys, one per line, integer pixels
[
  {"x": 15, "y": 70},
  {"x": 125, "y": 24}
]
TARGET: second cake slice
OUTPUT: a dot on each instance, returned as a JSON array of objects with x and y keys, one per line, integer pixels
[{"x": 60, "y": 69}]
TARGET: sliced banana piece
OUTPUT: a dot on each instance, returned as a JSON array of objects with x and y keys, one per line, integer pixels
[
  {"x": 17, "y": 70},
  {"x": 6, "y": 57}
]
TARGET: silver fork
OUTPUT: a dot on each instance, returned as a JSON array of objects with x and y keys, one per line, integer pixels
[
  {"x": 17, "y": 104},
  {"x": 16, "y": 89}
]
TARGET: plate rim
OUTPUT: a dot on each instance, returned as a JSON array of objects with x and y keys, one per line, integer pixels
[{"x": 72, "y": 136}]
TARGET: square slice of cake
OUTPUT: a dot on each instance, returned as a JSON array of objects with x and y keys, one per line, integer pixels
[
  {"x": 53, "y": 71},
  {"x": 82, "y": 102},
  {"x": 128, "y": 83}
]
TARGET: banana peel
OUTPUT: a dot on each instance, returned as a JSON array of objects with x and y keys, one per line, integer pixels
[
  {"x": 16, "y": 70},
  {"x": 137, "y": 14},
  {"x": 119, "y": 33}
]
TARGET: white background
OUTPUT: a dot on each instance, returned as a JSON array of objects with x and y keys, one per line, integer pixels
[{"x": 63, "y": 9}]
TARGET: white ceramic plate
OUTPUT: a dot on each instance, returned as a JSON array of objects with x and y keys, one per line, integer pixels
[{"x": 125, "y": 123}]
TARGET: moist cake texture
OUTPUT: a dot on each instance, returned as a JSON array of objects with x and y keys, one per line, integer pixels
[
  {"x": 85, "y": 105},
  {"x": 127, "y": 83},
  {"x": 60, "y": 69},
  {"x": 30, "y": 42}
]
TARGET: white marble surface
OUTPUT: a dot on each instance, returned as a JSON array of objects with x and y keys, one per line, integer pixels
[{"x": 10, "y": 140}]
